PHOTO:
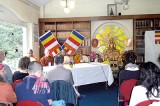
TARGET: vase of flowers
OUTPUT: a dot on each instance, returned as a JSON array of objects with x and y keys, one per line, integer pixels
[
  {"x": 70, "y": 63},
  {"x": 92, "y": 56}
]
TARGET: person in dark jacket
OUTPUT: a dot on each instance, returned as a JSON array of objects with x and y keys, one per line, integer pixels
[
  {"x": 23, "y": 66},
  {"x": 131, "y": 70}
]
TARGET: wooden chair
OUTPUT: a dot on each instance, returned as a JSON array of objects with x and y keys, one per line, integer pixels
[
  {"x": 146, "y": 102},
  {"x": 15, "y": 83},
  {"x": 28, "y": 103},
  {"x": 126, "y": 90}
]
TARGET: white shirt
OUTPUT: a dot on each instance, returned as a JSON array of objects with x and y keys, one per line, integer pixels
[{"x": 139, "y": 95}]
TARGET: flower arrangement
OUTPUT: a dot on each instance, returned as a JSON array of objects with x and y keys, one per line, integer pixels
[
  {"x": 71, "y": 62},
  {"x": 92, "y": 55}
]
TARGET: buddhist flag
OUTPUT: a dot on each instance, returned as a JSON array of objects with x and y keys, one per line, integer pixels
[
  {"x": 157, "y": 37},
  {"x": 49, "y": 42},
  {"x": 73, "y": 42}
]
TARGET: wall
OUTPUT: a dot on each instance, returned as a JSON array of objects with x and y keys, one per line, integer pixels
[
  {"x": 29, "y": 15},
  {"x": 85, "y": 8}
]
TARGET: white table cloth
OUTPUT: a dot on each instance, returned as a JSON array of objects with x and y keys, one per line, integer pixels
[{"x": 88, "y": 73}]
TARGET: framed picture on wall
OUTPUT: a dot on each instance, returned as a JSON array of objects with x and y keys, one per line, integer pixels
[{"x": 112, "y": 9}]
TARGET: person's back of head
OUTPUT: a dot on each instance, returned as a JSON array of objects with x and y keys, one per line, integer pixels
[
  {"x": 149, "y": 78},
  {"x": 34, "y": 67},
  {"x": 24, "y": 63},
  {"x": 130, "y": 57},
  {"x": 59, "y": 59}
]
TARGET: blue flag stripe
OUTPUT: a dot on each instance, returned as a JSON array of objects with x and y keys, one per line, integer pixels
[
  {"x": 62, "y": 47},
  {"x": 45, "y": 36},
  {"x": 78, "y": 35}
]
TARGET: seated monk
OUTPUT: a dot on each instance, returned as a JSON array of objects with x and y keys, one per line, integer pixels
[
  {"x": 78, "y": 57},
  {"x": 47, "y": 60},
  {"x": 31, "y": 56}
]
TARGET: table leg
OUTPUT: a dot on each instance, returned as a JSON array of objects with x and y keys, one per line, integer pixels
[{"x": 106, "y": 86}]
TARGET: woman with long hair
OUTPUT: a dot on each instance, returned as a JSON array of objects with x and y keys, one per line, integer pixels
[{"x": 148, "y": 84}]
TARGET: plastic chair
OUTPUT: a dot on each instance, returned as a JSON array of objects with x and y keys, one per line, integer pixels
[
  {"x": 63, "y": 90},
  {"x": 28, "y": 103},
  {"x": 146, "y": 102},
  {"x": 126, "y": 90},
  {"x": 15, "y": 83}
]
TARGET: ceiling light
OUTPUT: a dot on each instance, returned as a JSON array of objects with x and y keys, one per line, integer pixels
[{"x": 67, "y": 4}]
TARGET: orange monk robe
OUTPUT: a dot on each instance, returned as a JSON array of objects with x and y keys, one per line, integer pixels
[
  {"x": 77, "y": 58},
  {"x": 33, "y": 58},
  {"x": 45, "y": 61}
]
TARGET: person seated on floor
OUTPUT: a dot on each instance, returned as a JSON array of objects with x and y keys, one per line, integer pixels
[
  {"x": 7, "y": 95},
  {"x": 23, "y": 69},
  {"x": 34, "y": 87},
  {"x": 131, "y": 70},
  {"x": 148, "y": 87},
  {"x": 47, "y": 60},
  {"x": 7, "y": 69},
  {"x": 59, "y": 72},
  {"x": 31, "y": 56}
]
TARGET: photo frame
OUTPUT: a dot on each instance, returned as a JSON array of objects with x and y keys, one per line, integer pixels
[{"x": 112, "y": 9}]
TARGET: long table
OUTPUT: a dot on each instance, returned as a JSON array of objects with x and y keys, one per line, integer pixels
[{"x": 88, "y": 73}]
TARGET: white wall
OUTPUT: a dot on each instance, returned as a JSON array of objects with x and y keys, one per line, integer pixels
[
  {"x": 29, "y": 15},
  {"x": 84, "y": 8},
  {"x": 141, "y": 7}
]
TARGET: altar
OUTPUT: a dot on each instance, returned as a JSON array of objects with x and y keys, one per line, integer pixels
[{"x": 88, "y": 73}]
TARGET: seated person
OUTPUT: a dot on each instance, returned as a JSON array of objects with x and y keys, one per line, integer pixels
[
  {"x": 34, "y": 87},
  {"x": 23, "y": 69},
  {"x": 131, "y": 70},
  {"x": 7, "y": 95},
  {"x": 59, "y": 72},
  {"x": 78, "y": 58},
  {"x": 148, "y": 85},
  {"x": 66, "y": 57},
  {"x": 112, "y": 45},
  {"x": 31, "y": 56},
  {"x": 7, "y": 69},
  {"x": 47, "y": 60}
]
